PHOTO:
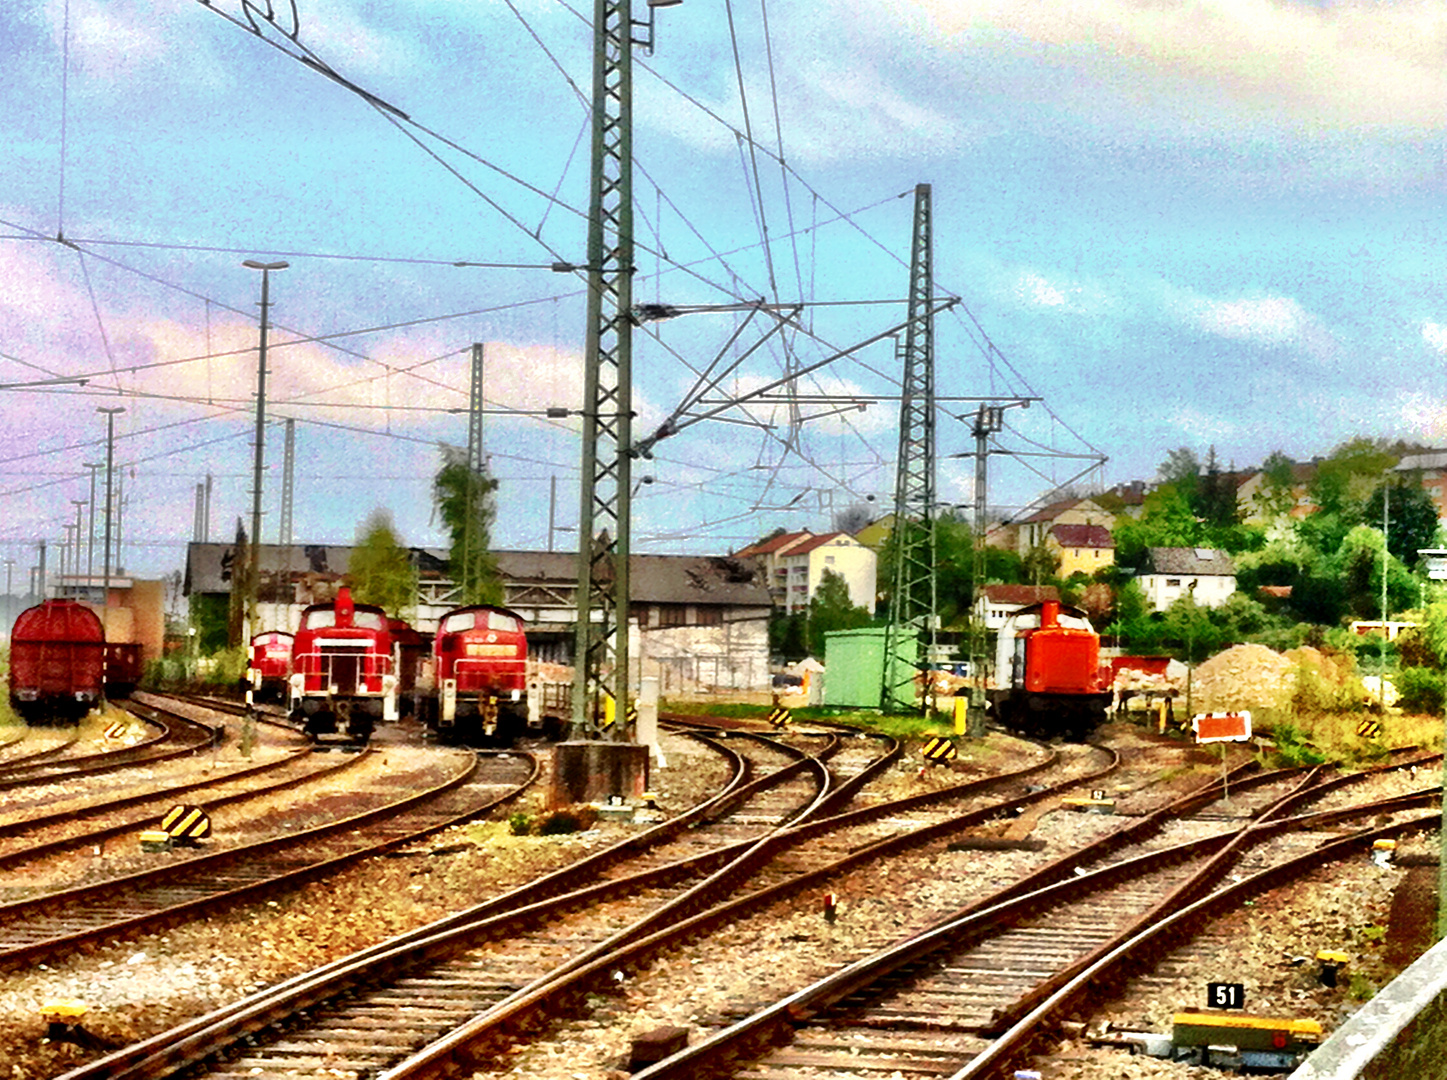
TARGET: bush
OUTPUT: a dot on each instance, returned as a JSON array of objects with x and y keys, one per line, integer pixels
[
  {"x": 1421, "y": 690},
  {"x": 1294, "y": 748},
  {"x": 576, "y": 819},
  {"x": 519, "y": 824}
]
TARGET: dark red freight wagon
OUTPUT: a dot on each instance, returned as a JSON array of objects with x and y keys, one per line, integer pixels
[{"x": 57, "y": 662}]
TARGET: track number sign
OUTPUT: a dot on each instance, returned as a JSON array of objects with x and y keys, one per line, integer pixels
[{"x": 1225, "y": 995}]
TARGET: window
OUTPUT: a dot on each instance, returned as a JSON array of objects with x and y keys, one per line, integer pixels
[
  {"x": 672, "y": 615},
  {"x": 501, "y": 620},
  {"x": 462, "y": 620},
  {"x": 1173, "y": 583},
  {"x": 829, "y": 559},
  {"x": 320, "y": 620},
  {"x": 710, "y": 616}
]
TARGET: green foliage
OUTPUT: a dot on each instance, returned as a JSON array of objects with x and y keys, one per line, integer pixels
[
  {"x": 1294, "y": 749},
  {"x": 519, "y": 824},
  {"x": 786, "y": 636},
  {"x": 831, "y": 609},
  {"x": 463, "y": 499},
  {"x": 1315, "y": 695},
  {"x": 381, "y": 570},
  {"x": 1421, "y": 690},
  {"x": 241, "y": 586},
  {"x": 570, "y": 820},
  {"x": 1411, "y": 517}
]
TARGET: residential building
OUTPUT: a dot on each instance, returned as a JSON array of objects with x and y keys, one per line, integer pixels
[
  {"x": 1034, "y": 529},
  {"x": 1168, "y": 574},
  {"x": 996, "y": 603},
  {"x": 1432, "y": 467},
  {"x": 794, "y": 565},
  {"x": 1255, "y": 495},
  {"x": 1082, "y": 549}
]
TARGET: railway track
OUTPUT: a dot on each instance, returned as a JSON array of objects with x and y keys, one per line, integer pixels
[
  {"x": 968, "y": 997},
  {"x": 481, "y": 995},
  {"x": 56, "y": 922}
]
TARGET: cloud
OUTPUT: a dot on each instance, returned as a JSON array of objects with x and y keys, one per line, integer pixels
[
  {"x": 123, "y": 39},
  {"x": 1070, "y": 297},
  {"x": 1348, "y": 64},
  {"x": 1269, "y": 320},
  {"x": 1435, "y": 335}
]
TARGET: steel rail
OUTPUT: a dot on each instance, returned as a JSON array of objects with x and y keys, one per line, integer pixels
[
  {"x": 102, "y": 833},
  {"x": 207, "y": 865},
  {"x": 1050, "y": 885}
]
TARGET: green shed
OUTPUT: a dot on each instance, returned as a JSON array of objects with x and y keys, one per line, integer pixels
[{"x": 854, "y": 666}]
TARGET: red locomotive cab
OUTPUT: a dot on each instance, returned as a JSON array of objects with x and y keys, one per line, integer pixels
[
  {"x": 481, "y": 660},
  {"x": 270, "y": 665},
  {"x": 342, "y": 668},
  {"x": 1061, "y": 659}
]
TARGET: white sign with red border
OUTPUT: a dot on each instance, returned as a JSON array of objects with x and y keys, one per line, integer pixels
[{"x": 1222, "y": 726}]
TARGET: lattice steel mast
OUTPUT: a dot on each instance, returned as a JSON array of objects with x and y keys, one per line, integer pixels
[
  {"x": 601, "y": 669},
  {"x": 913, "y": 596}
]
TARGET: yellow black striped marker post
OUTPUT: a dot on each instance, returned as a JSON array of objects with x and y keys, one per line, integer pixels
[
  {"x": 1369, "y": 728},
  {"x": 781, "y": 717},
  {"x": 119, "y": 730},
  {"x": 633, "y": 714},
  {"x": 940, "y": 750},
  {"x": 186, "y": 824}
]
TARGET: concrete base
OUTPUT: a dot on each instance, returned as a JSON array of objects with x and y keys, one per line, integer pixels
[{"x": 589, "y": 772}]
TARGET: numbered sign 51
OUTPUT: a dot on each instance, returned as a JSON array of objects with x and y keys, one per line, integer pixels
[{"x": 1225, "y": 996}]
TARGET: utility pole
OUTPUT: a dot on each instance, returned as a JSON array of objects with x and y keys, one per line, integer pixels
[
  {"x": 600, "y": 662},
  {"x": 94, "y": 467},
  {"x": 912, "y": 598},
  {"x": 284, "y": 530},
  {"x": 474, "y": 469},
  {"x": 259, "y": 458},
  {"x": 110, "y": 415}
]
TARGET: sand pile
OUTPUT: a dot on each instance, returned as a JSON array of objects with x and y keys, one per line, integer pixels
[{"x": 1243, "y": 677}]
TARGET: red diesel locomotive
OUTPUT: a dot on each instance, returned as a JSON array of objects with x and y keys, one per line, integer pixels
[
  {"x": 57, "y": 662},
  {"x": 343, "y": 679},
  {"x": 1047, "y": 671},
  {"x": 480, "y": 658},
  {"x": 270, "y": 665}
]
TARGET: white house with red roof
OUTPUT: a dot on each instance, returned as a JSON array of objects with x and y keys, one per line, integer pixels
[{"x": 794, "y": 565}]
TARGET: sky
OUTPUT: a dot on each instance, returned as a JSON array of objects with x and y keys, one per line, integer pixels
[{"x": 1214, "y": 225}]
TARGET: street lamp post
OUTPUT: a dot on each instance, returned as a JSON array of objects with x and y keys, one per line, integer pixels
[
  {"x": 259, "y": 460},
  {"x": 94, "y": 467},
  {"x": 110, "y": 415}
]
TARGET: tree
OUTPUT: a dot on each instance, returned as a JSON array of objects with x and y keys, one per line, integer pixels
[
  {"x": 1216, "y": 501},
  {"x": 1182, "y": 471},
  {"x": 1277, "y": 495},
  {"x": 1411, "y": 517},
  {"x": 463, "y": 498},
  {"x": 381, "y": 569},
  {"x": 832, "y": 609},
  {"x": 240, "y": 574}
]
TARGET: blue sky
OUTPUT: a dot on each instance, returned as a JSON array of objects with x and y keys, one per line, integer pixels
[{"x": 1210, "y": 224}]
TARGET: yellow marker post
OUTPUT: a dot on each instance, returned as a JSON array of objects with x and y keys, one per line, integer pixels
[{"x": 962, "y": 715}]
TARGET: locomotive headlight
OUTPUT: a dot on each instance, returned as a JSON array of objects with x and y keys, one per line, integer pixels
[
  {"x": 517, "y": 695},
  {"x": 389, "y": 683},
  {"x": 297, "y": 681}
]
